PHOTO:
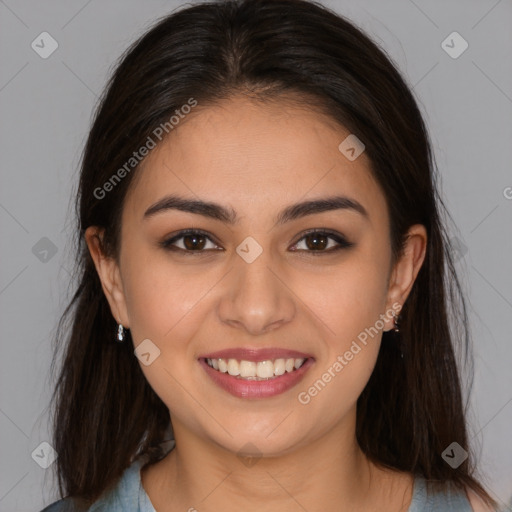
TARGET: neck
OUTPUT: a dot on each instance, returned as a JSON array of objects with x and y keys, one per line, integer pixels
[{"x": 330, "y": 473}]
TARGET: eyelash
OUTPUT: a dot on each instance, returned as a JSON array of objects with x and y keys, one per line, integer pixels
[{"x": 342, "y": 242}]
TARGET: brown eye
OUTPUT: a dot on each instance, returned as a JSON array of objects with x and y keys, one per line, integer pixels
[
  {"x": 321, "y": 242},
  {"x": 194, "y": 242},
  {"x": 316, "y": 241},
  {"x": 189, "y": 241}
]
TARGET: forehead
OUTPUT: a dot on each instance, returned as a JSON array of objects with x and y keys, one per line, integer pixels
[{"x": 255, "y": 157}]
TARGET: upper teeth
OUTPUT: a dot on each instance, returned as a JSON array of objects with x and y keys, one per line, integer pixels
[{"x": 250, "y": 369}]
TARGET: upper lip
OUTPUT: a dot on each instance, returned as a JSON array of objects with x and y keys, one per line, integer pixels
[{"x": 255, "y": 354}]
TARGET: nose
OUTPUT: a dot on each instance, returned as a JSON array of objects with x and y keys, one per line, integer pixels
[{"x": 257, "y": 296}]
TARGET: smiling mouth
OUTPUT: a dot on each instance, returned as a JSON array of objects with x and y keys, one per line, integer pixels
[{"x": 251, "y": 370}]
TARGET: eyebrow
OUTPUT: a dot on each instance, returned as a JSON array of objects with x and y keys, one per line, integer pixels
[{"x": 229, "y": 216}]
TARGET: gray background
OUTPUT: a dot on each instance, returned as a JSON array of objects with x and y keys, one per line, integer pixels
[{"x": 45, "y": 109}]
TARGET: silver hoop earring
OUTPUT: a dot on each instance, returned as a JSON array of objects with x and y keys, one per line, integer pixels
[
  {"x": 396, "y": 319},
  {"x": 400, "y": 344},
  {"x": 120, "y": 334}
]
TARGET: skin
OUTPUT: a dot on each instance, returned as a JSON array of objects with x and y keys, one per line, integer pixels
[{"x": 257, "y": 159}]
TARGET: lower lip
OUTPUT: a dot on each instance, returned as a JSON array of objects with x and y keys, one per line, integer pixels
[{"x": 257, "y": 388}]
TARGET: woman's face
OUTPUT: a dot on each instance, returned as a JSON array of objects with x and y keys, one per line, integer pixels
[{"x": 257, "y": 288}]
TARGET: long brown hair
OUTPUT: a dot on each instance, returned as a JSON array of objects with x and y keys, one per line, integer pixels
[{"x": 105, "y": 413}]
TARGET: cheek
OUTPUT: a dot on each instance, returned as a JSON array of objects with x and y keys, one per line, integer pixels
[
  {"x": 351, "y": 310},
  {"x": 162, "y": 304},
  {"x": 344, "y": 368},
  {"x": 158, "y": 296},
  {"x": 351, "y": 301}
]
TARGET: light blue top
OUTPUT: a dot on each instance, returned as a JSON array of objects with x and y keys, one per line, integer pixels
[{"x": 129, "y": 496}]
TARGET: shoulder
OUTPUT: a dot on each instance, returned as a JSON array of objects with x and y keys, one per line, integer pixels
[
  {"x": 477, "y": 504},
  {"x": 62, "y": 505},
  {"x": 429, "y": 495},
  {"x": 124, "y": 496}
]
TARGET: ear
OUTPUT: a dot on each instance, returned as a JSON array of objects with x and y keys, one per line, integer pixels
[
  {"x": 109, "y": 274},
  {"x": 406, "y": 269}
]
